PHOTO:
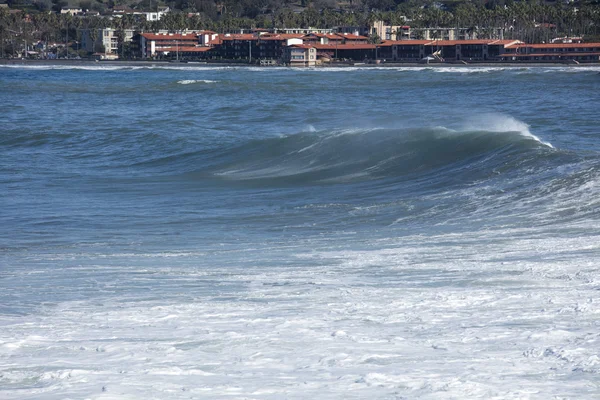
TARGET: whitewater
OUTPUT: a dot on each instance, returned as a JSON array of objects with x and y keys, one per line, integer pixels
[{"x": 194, "y": 232}]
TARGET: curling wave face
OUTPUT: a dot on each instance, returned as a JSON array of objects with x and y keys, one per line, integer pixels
[{"x": 354, "y": 155}]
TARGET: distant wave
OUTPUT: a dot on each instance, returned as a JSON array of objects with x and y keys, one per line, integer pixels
[
  {"x": 466, "y": 69},
  {"x": 192, "y": 81}
]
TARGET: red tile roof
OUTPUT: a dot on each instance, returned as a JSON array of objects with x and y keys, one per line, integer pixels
[
  {"x": 184, "y": 49},
  {"x": 571, "y": 54},
  {"x": 506, "y": 42},
  {"x": 351, "y": 36},
  {"x": 302, "y": 46},
  {"x": 281, "y": 36},
  {"x": 173, "y": 36},
  {"x": 347, "y": 46},
  {"x": 241, "y": 36},
  {"x": 404, "y": 42},
  {"x": 329, "y": 36},
  {"x": 556, "y": 45},
  {"x": 456, "y": 42}
]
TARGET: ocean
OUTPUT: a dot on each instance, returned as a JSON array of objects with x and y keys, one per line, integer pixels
[{"x": 181, "y": 231}]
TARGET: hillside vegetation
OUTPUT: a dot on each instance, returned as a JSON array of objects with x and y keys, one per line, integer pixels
[{"x": 530, "y": 21}]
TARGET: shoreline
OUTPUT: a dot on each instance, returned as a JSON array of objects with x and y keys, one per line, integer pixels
[{"x": 200, "y": 64}]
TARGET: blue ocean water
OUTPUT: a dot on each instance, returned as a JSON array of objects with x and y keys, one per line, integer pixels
[{"x": 180, "y": 231}]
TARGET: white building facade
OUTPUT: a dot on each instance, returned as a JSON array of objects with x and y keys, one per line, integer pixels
[{"x": 104, "y": 40}]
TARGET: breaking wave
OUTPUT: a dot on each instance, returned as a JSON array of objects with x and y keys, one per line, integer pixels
[
  {"x": 193, "y": 81},
  {"x": 366, "y": 154}
]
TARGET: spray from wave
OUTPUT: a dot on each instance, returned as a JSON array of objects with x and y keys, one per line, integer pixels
[{"x": 501, "y": 123}]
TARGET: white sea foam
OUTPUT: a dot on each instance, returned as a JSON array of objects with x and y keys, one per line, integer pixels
[
  {"x": 446, "y": 316},
  {"x": 192, "y": 81},
  {"x": 472, "y": 69}
]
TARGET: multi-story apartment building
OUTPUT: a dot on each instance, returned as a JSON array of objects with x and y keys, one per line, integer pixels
[
  {"x": 270, "y": 46},
  {"x": 389, "y": 32},
  {"x": 105, "y": 41},
  {"x": 300, "y": 55}
]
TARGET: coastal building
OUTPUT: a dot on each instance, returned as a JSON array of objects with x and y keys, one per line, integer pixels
[
  {"x": 156, "y": 15},
  {"x": 209, "y": 38},
  {"x": 322, "y": 38},
  {"x": 71, "y": 11},
  {"x": 303, "y": 31},
  {"x": 443, "y": 50},
  {"x": 355, "y": 30},
  {"x": 567, "y": 39},
  {"x": 455, "y": 33},
  {"x": 403, "y": 50},
  {"x": 354, "y": 52},
  {"x": 332, "y": 38},
  {"x": 185, "y": 53},
  {"x": 270, "y": 46},
  {"x": 119, "y": 11},
  {"x": 104, "y": 41},
  {"x": 389, "y": 32},
  {"x": 468, "y": 50},
  {"x": 548, "y": 52},
  {"x": 300, "y": 55},
  {"x": 162, "y": 44},
  {"x": 239, "y": 46},
  {"x": 350, "y": 38}
]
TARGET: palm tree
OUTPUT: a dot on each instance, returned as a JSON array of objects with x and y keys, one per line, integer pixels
[{"x": 3, "y": 29}]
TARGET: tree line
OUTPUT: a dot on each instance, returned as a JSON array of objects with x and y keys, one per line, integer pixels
[{"x": 529, "y": 21}]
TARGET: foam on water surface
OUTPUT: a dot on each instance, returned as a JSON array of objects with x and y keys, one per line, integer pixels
[
  {"x": 426, "y": 317},
  {"x": 471, "y": 69},
  {"x": 192, "y": 81}
]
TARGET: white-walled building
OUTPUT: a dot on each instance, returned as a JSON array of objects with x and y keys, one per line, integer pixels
[
  {"x": 300, "y": 55},
  {"x": 154, "y": 16},
  {"x": 106, "y": 40},
  {"x": 71, "y": 11},
  {"x": 389, "y": 32},
  {"x": 151, "y": 16}
]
